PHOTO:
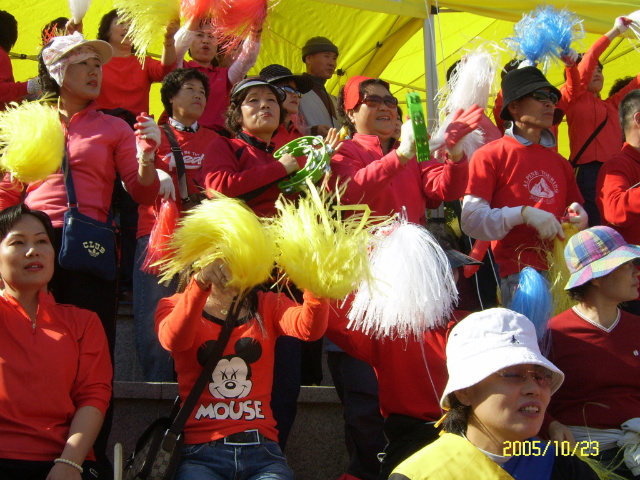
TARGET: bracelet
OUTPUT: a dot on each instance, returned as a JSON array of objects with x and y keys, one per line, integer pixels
[
  {"x": 169, "y": 44},
  {"x": 145, "y": 162},
  {"x": 69, "y": 462}
]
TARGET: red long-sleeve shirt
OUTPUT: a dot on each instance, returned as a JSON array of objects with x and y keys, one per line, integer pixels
[
  {"x": 239, "y": 395},
  {"x": 618, "y": 202},
  {"x": 386, "y": 185}
]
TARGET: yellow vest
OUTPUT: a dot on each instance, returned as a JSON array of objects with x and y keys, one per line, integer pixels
[{"x": 451, "y": 457}]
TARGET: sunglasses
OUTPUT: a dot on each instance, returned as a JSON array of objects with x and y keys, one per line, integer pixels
[
  {"x": 374, "y": 101},
  {"x": 544, "y": 96},
  {"x": 291, "y": 90},
  {"x": 518, "y": 376}
]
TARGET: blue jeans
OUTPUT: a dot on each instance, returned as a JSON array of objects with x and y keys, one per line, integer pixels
[
  {"x": 217, "y": 461},
  {"x": 156, "y": 362}
]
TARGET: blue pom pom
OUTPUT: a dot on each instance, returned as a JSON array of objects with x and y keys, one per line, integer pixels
[
  {"x": 545, "y": 33},
  {"x": 533, "y": 299}
]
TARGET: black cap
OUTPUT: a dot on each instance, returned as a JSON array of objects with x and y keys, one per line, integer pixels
[
  {"x": 521, "y": 82},
  {"x": 256, "y": 82},
  {"x": 317, "y": 45},
  {"x": 275, "y": 73}
]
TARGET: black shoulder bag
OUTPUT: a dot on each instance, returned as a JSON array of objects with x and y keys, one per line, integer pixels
[
  {"x": 188, "y": 201},
  {"x": 158, "y": 449}
]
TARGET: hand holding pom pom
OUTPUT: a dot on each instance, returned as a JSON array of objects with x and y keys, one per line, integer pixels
[
  {"x": 462, "y": 123},
  {"x": 622, "y": 24},
  {"x": 569, "y": 59},
  {"x": 578, "y": 216}
]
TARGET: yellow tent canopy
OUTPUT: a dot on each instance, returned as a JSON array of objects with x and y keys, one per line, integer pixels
[{"x": 378, "y": 38}]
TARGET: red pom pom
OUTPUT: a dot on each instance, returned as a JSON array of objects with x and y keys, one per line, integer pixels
[
  {"x": 238, "y": 18},
  {"x": 161, "y": 233},
  {"x": 198, "y": 9}
]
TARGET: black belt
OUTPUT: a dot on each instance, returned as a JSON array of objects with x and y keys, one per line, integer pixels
[{"x": 248, "y": 437}]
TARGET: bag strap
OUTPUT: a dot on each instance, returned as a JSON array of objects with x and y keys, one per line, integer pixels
[
  {"x": 214, "y": 357},
  {"x": 595, "y": 133},
  {"x": 180, "y": 168},
  {"x": 71, "y": 191}
]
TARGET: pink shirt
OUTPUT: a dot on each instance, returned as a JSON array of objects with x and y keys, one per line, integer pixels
[
  {"x": 99, "y": 146},
  {"x": 10, "y": 90}
]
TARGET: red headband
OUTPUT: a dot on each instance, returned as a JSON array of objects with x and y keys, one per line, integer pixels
[{"x": 352, "y": 91}]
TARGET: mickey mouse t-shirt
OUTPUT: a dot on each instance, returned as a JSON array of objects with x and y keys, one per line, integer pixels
[
  {"x": 507, "y": 173},
  {"x": 238, "y": 395}
]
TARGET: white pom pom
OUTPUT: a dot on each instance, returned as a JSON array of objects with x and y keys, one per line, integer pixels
[
  {"x": 413, "y": 291},
  {"x": 78, "y": 9}
]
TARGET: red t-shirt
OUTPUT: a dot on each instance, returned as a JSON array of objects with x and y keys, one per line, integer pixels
[
  {"x": 126, "y": 83},
  {"x": 508, "y": 174}
]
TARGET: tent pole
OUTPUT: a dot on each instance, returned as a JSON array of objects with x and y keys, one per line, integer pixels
[{"x": 431, "y": 70}]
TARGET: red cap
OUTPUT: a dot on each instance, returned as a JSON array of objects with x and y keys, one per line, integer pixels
[{"x": 352, "y": 91}]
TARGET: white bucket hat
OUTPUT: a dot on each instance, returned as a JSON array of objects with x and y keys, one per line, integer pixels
[{"x": 489, "y": 341}]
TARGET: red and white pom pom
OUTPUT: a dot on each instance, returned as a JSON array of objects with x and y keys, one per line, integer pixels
[
  {"x": 158, "y": 247},
  {"x": 235, "y": 20}
]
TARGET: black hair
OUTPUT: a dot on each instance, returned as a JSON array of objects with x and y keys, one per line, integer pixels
[
  {"x": 105, "y": 25},
  {"x": 457, "y": 417},
  {"x": 362, "y": 90},
  {"x": 233, "y": 115},
  {"x": 451, "y": 69},
  {"x": 510, "y": 65},
  {"x": 629, "y": 105},
  {"x": 578, "y": 293},
  {"x": 173, "y": 82},
  {"x": 52, "y": 28},
  {"x": 8, "y": 30},
  {"x": 49, "y": 85},
  {"x": 619, "y": 84},
  {"x": 12, "y": 215}
]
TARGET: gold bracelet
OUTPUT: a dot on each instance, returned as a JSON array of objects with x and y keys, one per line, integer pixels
[{"x": 69, "y": 462}]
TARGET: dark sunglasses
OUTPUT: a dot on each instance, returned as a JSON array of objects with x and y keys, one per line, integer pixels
[
  {"x": 374, "y": 101},
  {"x": 291, "y": 90},
  {"x": 544, "y": 96}
]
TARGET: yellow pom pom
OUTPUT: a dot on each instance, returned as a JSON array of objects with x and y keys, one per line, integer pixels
[
  {"x": 223, "y": 228},
  {"x": 318, "y": 250},
  {"x": 147, "y": 20},
  {"x": 558, "y": 274},
  {"x": 31, "y": 141}
]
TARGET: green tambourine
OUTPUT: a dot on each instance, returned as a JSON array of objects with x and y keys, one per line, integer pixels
[
  {"x": 318, "y": 156},
  {"x": 414, "y": 105}
]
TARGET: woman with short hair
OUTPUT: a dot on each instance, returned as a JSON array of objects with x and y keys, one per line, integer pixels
[
  {"x": 498, "y": 390},
  {"x": 55, "y": 369},
  {"x": 601, "y": 402}
]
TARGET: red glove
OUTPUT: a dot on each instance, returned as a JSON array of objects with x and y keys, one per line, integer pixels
[{"x": 462, "y": 123}]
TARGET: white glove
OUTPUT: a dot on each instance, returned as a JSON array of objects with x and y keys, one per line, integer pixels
[
  {"x": 407, "y": 147},
  {"x": 33, "y": 86},
  {"x": 622, "y": 24},
  {"x": 167, "y": 188},
  {"x": 569, "y": 59},
  {"x": 544, "y": 222},
  {"x": 147, "y": 137},
  {"x": 580, "y": 217}
]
